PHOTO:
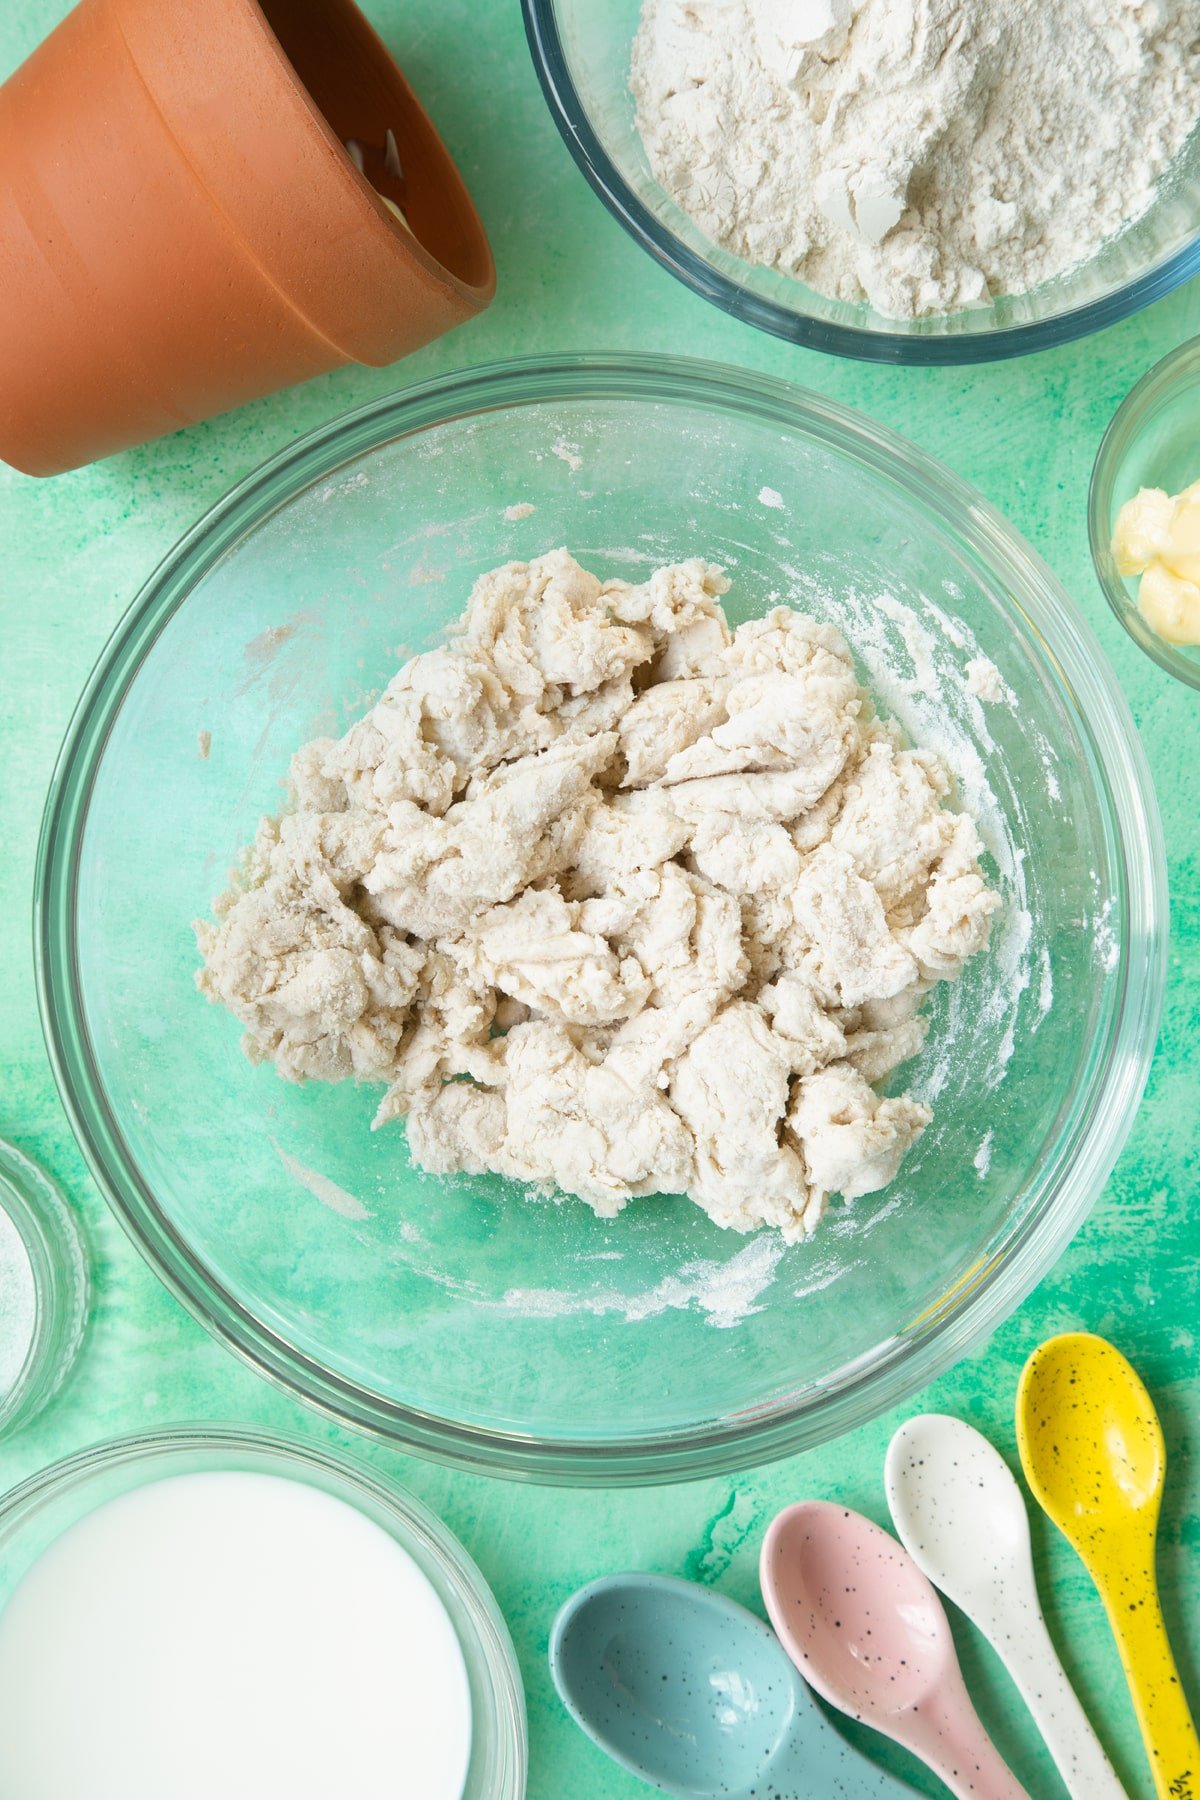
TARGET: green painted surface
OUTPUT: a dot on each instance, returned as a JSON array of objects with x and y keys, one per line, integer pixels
[{"x": 74, "y": 551}]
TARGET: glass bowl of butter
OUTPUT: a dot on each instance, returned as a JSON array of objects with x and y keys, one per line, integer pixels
[{"x": 1144, "y": 513}]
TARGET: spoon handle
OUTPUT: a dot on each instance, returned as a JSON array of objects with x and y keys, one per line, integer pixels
[
  {"x": 1167, "y": 1728},
  {"x": 1033, "y": 1663},
  {"x": 953, "y": 1743}
]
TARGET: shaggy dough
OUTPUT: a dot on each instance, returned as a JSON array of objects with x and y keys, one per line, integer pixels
[{"x": 617, "y": 902}]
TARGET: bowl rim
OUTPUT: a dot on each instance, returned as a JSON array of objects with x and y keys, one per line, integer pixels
[
  {"x": 489, "y": 1654},
  {"x": 573, "y": 120},
  {"x": 1072, "y": 662},
  {"x": 1124, "y": 425},
  {"x": 53, "y": 1238}
]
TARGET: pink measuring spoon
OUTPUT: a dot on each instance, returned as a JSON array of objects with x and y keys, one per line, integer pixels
[{"x": 867, "y": 1631}]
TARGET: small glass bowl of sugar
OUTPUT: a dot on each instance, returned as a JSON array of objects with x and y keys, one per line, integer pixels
[{"x": 43, "y": 1289}]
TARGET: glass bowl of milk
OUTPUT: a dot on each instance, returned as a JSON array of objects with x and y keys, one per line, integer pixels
[{"x": 209, "y": 1611}]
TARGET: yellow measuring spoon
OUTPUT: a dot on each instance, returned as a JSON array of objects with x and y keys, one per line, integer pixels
[{"x": 1092, "y": 1450}]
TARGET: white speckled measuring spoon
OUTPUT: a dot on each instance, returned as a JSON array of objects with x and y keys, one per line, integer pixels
[{"x": 959, "y": 1514}]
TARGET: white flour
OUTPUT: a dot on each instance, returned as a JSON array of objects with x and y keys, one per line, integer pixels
[
  {"x": 726, "y": 1292},
  {"x": 923, "y": 154},
  {"x": 336, "y": 1198},
  {"x": 983, "y": 680}
]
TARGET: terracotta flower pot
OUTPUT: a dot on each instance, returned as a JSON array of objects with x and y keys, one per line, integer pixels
[{"x": 182, "y": 228}]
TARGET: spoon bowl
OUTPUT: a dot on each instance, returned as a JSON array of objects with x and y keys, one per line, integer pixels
[
  {"x": 865, "y": 1627},
  {"x": 885, "y": 1659},
  {"x": 675, "y": 1683},
  {"x": 1093, "y": 1453},
  {"x": 944, "y": 1481},
  {"x": 960, "y": 1515},
  {"x": 692, "y": 1693},
  {"x": 1090, "y": 1439}
]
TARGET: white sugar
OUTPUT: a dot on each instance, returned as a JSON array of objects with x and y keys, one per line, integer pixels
[{"x": 18, "y": 1305}]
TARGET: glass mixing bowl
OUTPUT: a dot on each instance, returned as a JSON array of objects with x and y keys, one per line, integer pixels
[
  {"x": 581, "y": 50},
  {"x": 1152, "y": 442},
  {"x": 461, "y": 1316},
  {"x": 38, "y": 1512}
]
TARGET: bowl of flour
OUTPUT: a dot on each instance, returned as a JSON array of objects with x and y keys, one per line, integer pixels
[
  {"x": 809, "y": 721},
  {"x": 912, "y": 182}
]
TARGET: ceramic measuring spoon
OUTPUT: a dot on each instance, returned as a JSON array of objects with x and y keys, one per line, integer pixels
[
  {"x": 1093, "y": 1454},
  {"x": 959, "y": 1514},
  {"x": 862, "y": 1624},
  {"x": 693, "y": 1693}
]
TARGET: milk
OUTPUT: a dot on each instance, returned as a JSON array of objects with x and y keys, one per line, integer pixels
[{"x": 230, "y": 1636}]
